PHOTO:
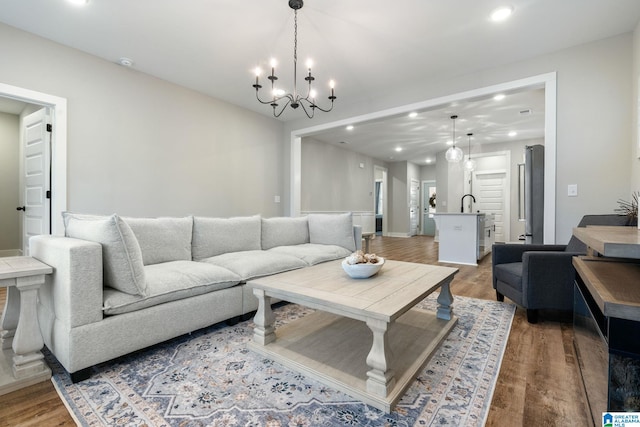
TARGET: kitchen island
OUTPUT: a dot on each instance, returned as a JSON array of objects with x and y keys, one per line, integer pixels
[{"x": 464, "y": 238}]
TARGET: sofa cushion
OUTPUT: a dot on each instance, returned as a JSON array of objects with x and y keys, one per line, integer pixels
[
  {"x": 215, "y": 236},
  {"x": 251, "y": 264},
  {"x": 284, "y": 231},
  {"x": 163, "y": 239},
  {"x": 312, "y": 253},
  {"x": 171, "y": 281},
  {"x": 510, "y": 274},
  {"x": 332, "y": 229},
  {"x": 121, "y": 256}
]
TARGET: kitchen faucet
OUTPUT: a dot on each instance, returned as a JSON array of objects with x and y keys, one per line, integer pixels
[{"x": 462, "y": 201}]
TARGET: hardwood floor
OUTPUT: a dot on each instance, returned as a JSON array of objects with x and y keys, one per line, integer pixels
[{"x": 538, "y": 385}]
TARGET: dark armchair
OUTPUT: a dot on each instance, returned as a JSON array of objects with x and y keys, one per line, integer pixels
[{"x": 541, "y": 276}]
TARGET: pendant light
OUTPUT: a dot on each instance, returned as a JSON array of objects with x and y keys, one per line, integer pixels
[
  {"x": 470, "y": 164},
  {"x": 454, "y": 154}
]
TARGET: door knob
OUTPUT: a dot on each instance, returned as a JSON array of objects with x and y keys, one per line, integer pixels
[{"x": 21, "y": 208}]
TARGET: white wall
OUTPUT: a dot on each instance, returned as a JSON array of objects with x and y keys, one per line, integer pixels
[
  {"x": 332, "y": 179},
  {"x": 138, "y": 145},
  {"x": 593, "y": 119},
  {"x": 9, "y": 175}
]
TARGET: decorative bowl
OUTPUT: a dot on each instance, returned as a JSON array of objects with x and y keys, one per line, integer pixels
[{"x": 362, "y": 271}]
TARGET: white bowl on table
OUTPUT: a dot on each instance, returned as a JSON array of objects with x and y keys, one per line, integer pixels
[{"x": 362, "y": 271}]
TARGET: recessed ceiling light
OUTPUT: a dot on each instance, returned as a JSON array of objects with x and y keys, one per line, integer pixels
[
  {"x": 499, "y": 97},
  {"x": 78, "y": 2},
  {"x": 350, "y": 127},
  {"x": 413, "y": 114},
  {"x": 513, "y": 133},
  {"x": 126, "y": 62},
  {"x": 502, "y": 13},
  {"x": 428, "y": 161},
  {"x": 398, "y": 149}
]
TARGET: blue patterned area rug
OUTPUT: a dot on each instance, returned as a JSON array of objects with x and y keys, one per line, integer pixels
[{"x": 210, "y": 378}]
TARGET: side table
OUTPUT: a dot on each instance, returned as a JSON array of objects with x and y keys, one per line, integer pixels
[
  {"x": 21, "y": 364},
  {"x": 367, "y": 236}
]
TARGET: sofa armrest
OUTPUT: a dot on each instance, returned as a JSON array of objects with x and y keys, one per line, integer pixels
[
  {"x": 73, "y": 293},
  {"x": 547, "y": 279},
  {"x": 357, "y": 236}
]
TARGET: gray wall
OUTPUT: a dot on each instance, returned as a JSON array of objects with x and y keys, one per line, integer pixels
[
  {"x": 332, "y": 179},
  {"x": 594, "y": 123},
  {"x": 9, "y": 176},
  {"x": 138, "y": 145}
]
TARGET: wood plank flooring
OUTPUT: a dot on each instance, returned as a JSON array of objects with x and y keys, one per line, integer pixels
[{"x": 538, "y": 385}]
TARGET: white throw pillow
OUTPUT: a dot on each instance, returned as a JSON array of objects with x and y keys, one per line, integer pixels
[
  {"x": 163, "y": 239},
  {"x": 121, "y": 256},
  {"x": 332, "y": 229},
  {"x": 216, "y": 236},
  {"x": 284, "y": 231}
]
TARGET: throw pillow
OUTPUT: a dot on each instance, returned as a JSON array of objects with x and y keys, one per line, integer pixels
[
  {"x": 332, "y": 229},
  {"x": 121, "y": 256},
  {"x": 284, "y": 232},
  {"x": 163, "y": 239},
  {"x": 216, "y": 236}
]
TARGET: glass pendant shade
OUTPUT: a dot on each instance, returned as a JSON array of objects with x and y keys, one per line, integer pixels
[
  {"x": 454, "y": 155},
  {"x": 469, "y": 165}
]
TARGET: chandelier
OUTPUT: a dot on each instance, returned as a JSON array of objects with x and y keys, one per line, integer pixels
[
  {"x": 469, "y": 164},
  {"x": 278, "y": 96},
  {"x": 454, "y": 154}
]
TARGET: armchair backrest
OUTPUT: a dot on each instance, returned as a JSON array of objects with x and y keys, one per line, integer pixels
[{"x": 575, "y": 245}]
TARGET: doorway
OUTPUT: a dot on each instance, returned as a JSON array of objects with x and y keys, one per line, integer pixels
[
  {"x": 58, "y": 153},
  {"x": 428, "y": 208},
  {"x": 380, "y": 200}
]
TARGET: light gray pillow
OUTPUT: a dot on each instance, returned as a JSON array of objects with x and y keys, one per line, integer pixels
[
  {"x": 121, "y": 255},
  {"x": 163, "y": 239},
  {"x": 216, "y": 236},
  {"x": 284, "y": 231},
  {"x": 332, "y": 229}
]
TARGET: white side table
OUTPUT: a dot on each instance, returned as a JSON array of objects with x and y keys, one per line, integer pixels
[{"x": 21, "y": 364}]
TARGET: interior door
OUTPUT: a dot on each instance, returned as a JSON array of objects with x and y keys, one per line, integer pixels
[
  {"x": 414, "y": 207},
  {"x": 490, "y": 192},
  {"x": 36, "y": 177}
]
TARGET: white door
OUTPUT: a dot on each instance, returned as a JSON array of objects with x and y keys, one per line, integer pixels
[
  {"x": 36, "y": 179},
  {"x": 414, "y": 207},
  {"x": 491, "y": 195}
]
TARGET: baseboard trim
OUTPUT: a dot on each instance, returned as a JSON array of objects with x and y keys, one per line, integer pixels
[{"x": 397, "y": 235}]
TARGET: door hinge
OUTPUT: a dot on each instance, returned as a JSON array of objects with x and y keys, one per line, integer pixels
[
  {"x": 49, "y": 127},
  {"x": 48, "y": 194}
]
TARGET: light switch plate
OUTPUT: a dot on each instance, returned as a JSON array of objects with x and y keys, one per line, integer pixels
[{"x": 572, "y": 190}]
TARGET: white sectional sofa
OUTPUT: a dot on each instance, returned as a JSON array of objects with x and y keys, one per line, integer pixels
[{"x": 122, "y": 284}]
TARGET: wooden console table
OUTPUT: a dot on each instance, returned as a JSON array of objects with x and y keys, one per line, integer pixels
[
  {"x": 607, "y": 318},
  {"x": 22, "y": 363}
]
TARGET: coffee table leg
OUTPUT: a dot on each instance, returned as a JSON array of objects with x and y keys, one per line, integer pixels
[
  {"x": 445, "y": 302},
  {"x": 380, "y": 378},
  {"x": 264, "y": 331}
]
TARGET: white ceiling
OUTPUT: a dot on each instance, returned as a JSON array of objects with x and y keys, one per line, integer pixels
[{"x": 369, "y": 47}]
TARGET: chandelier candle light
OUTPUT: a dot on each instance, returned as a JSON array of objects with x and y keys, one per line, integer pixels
[
  {"x": 454, "y": 154},
  {"x": 308, "y": 102}
]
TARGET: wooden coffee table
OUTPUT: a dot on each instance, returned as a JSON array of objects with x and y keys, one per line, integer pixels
[{"x": 366, "y": 338}]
